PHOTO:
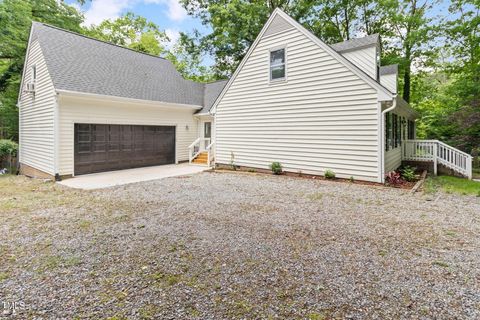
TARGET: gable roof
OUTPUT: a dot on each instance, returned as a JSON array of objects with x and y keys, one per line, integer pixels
[
  {"x": 384, "y": 93},
  {"x": 356, "y": 43},
  {"x": 82, "y": 64}
]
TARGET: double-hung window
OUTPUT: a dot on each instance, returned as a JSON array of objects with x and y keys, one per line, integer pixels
[{"x": 277, "y": 65}]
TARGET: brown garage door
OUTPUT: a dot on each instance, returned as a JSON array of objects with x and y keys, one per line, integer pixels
[{"x": 104, "y": 147}]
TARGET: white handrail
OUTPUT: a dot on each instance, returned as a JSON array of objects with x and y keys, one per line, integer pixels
[
  {"x": 192, "y": 154},
  {"x": 194, "y": 143},
  {"x": 210, "y": 152},
  {"x": 438, "y": 152}
]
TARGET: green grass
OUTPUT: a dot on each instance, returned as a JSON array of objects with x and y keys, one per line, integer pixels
[{"x": 450, "y": 184}]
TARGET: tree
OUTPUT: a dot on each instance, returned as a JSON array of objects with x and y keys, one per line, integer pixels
[
  {"x": 463, "y": 39},
  {"x": 186, "y": 55},
  {"x": 15, "y": 21},
  {"x": 131, "y": 31},
  {"x": 413, "y": 39},
  {"x": 235, "y": 25}
]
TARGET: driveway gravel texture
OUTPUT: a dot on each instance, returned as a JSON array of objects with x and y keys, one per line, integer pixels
[{"x": 238, "y": 246}]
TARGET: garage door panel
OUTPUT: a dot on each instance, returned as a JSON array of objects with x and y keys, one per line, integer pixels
[{"x": 101, "y": 147}]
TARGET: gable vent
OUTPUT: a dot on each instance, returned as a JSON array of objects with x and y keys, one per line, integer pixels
[{"x": 277, "y": 25}]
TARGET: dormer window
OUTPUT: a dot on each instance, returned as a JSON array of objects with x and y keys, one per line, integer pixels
[{"x": 277, "y": 65}]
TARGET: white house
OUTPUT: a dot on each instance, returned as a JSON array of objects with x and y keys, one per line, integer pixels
[{"x": 90, "y": 106}]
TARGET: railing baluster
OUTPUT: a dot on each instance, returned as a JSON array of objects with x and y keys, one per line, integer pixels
[{"x": 438, "y": 152}]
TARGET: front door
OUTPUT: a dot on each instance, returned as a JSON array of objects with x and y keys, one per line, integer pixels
[{"x": 207, "y": 132}]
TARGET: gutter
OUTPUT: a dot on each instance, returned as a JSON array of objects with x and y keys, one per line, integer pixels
[
  {"x": 382, "y": 135},
  {"x": 78, "y": 94}
]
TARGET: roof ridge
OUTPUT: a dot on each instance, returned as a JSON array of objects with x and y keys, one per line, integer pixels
[{"x": 98, "y": 40}]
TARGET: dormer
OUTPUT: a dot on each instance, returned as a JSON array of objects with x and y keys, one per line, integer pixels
[
  {"x": 363, "y": 52},
  {"x": 389, "y": 76}
]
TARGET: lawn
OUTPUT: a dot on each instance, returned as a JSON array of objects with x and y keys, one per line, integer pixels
[
  {"x": 451, "y": 184},
  {"x": 238, "y": 246}
]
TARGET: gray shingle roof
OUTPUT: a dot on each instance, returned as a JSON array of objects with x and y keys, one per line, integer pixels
[
  {"x": 79, "y": 63},
  {"x": 390, "y": 69},
  {"x": 356, "y": 43},
  {"x": 212, "y": 90}
]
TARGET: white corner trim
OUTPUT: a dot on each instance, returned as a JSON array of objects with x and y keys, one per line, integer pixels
[
  {"x": 56, "y": 137},
  {"x": 84, "y": 95},
  {"x": 27, "y": 53}
]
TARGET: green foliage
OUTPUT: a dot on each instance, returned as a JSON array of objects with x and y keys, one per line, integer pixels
[
  {"x": 408, "y": 173},
  {"x": 329, "y": 174},
  {"x": 15, "y": 21},
  {"x": 186, "y": 55},
  {"x": 276, "y": 167},
  {"x": 451, "y": 184},
  {"x": 8, "y": 148},
  {"x": 130, "y": 31}
]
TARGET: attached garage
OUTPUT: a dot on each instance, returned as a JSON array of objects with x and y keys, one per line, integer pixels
[
  {"x": 121, "y": 109},
  {"x": 106, "y": 147}
]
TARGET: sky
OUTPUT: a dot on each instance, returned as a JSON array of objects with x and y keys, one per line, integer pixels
[{"x": 169, "y": 15}]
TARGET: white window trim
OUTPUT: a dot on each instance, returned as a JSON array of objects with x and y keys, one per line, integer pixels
[{"x": 279, "y": 80}]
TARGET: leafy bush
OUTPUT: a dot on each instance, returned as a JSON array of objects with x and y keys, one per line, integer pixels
[
  {"x": 232, "y": 161},
  {"x": 276, "y": 167},
  {"x": 8, "y": 148},
  {"x": 394, "y": 178},
  {"x": 408, "y": 173},
  {"x": 352, "y": 179},
  {"x": 329, "y": 174}
]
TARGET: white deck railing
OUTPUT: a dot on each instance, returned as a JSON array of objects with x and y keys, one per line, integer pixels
[
  {"x": 198, "y": 146},
  {"x": 438, "y": 152},
  {"x": 210, "y": 148}
]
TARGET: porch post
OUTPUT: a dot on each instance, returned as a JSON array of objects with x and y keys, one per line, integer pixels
[{"x": 435, "y": 154}]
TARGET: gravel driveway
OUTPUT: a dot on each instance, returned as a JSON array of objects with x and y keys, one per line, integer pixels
[{"x": 234, "y": 245}]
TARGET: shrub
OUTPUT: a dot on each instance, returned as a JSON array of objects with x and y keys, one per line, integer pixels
[
  {"x": 276, "y": 167},
  {"x": 394, "y": 178},
  {"x": 352, "y": 179},
  {"x": 232, "y": 161},
  {"x": 329, "y": 174},
  {"x": 8, "y": 148},
  {"x": 408, "y": 173}
]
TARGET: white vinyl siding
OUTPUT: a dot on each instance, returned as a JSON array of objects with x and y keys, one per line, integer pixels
[
  {"x": 277, "y": 25},
  {"x": 323, "y": 117},
  {"x": 37, "y": 115},
  {"x": 389, "y": 81},
  {"x": 393, "y": 159},
  {"x": 79, "y": 110},
  {"x": 365, "y": 59}
]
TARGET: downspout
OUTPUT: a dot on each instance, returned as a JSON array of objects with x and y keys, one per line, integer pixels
[
  {"x": 56, "y": 138},
  {"x": 214, "y": 136},
  {"x": 382, "y": 135}
]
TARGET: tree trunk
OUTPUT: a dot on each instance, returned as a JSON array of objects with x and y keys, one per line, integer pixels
[
  {"x": 347, "y": 23},
  {"x": 407, "y": 75}
]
